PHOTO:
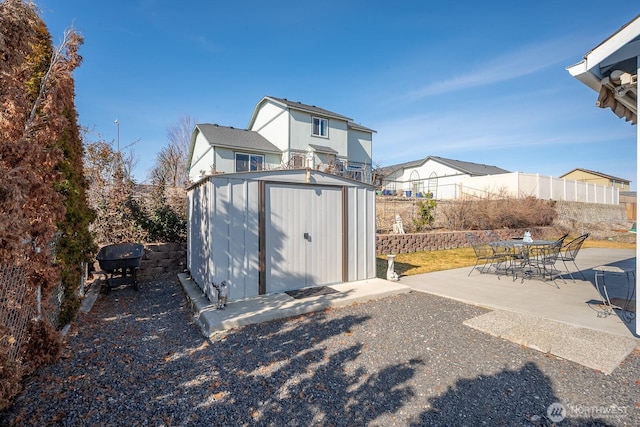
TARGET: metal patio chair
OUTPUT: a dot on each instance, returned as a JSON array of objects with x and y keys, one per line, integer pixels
[
  {"x": 485, "y": 253},
  {"x": 543, "y": 258},
  {"x": 570, "y": 251},
  {"x": 562, "y": 239}
]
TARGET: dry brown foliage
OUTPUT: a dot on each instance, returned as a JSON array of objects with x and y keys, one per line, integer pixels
[
  {"x": 10, "y": 372},
  {"x": 44, "y": 345},
  {"x": 467, "y": 214},
  {"x": 493, "y": 214},
  {"x": 36, "y": 89}
]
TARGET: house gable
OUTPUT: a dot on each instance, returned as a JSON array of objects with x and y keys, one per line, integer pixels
[{"x": 594, "y": 177}]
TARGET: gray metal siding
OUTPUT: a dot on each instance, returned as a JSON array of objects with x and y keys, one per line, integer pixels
[
  {"x": 234, "y": 253},
  {"x": 361, "y": 234},
  {"x": 224, "y": 235},
  {"x": 294, "y": 261},
  {"x": 198, "y": 242}
]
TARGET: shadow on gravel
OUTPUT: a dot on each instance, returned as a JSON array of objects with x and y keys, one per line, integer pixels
[
  {"x": 281, "y": 373},
  {"x": 138, "y": 359},
  {"x": 486, "y": 400}
]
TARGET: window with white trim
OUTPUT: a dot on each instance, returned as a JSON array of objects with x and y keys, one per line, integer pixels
[
  {"x": 320, "y": 127},
  {"x": 249, "y": 162}
]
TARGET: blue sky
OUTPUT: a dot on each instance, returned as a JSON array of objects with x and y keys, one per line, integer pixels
[{"x": 477, "y": 81}]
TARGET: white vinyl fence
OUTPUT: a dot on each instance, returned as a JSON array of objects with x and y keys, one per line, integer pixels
[
  {"x": 519, "y": 184},
  {"x": 515, "y": 184}
]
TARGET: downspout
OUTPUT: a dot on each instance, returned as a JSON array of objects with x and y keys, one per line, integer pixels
[{"x": 637, "y": 181}]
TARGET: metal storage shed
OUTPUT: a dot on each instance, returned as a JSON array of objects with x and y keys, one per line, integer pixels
[{"x": 273, "y": 231}]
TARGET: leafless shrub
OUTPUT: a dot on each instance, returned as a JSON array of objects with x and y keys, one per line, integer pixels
[{"x": 494, "y": 213}]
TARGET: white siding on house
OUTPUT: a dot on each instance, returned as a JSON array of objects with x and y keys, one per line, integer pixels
[
  {"x": 272, "y": 122},
  {"x": 289, "y": 129},
  {"x": 202, "y": 159},
  {"x": 225, "y": 159},
  {"x": 359, "y": 147},
  {"x": 443, "y": 185},
  {"x": 301, "y": 135}
]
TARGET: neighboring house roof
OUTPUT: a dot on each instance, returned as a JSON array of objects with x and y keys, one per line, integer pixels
[
  {"x": 388, "y": 170},
  {"x": 473, "y": 169},
  {"x": 600, "y": 174},
  {"x": 610, "y": 69},
  {"x": 470, "y": 168},
  {"x": 229, "y": 137}
]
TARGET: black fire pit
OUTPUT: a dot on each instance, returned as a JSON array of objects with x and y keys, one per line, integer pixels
[{"x": 120, "y": 263}]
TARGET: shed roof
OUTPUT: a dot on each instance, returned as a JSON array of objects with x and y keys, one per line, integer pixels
[
  {"x": 287, "y": 176},
  {"x": 600, "y": 174}
]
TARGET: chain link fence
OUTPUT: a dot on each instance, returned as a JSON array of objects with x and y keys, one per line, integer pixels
[{"x": 15, "y": 309}]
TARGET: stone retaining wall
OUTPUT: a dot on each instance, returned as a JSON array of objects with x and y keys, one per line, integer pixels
[
  {"x": 572, "y": 214},
  {"x": 162, "y": 259},
  {"x": 418, "y": 242}
]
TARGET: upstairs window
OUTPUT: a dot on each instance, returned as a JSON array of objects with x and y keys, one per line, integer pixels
[
  {"x": 249, "y": 162},
  {"x": 320, "y": 127}
]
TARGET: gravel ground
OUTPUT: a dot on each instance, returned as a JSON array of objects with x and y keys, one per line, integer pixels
[{"x": 137, "y": 359}]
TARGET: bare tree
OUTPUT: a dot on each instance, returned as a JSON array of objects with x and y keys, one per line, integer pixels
[{"x": 171, "y": 163}]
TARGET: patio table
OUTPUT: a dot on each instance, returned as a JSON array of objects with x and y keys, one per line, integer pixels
[
  {"x": 629, "y": 272},
  {"x": 523, "y": 254}
]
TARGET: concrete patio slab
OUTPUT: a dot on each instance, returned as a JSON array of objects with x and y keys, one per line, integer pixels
[
  {"x": 565, "y": 318},
  {"x": 278, "y": 306},
  {"x": 595, "y": 349}
]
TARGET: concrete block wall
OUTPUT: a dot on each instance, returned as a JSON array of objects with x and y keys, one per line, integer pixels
[
  {"x": 418, "y": 242},
  {"x": 161, "y": 259}
]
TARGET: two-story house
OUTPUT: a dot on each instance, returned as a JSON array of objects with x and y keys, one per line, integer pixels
[{"x": 284, "y": 134}]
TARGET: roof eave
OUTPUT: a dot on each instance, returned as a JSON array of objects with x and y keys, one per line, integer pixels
[{"x": 588, "y": 70}]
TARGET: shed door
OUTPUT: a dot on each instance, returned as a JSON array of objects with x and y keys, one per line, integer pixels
[{"x": 303, "y": 236}]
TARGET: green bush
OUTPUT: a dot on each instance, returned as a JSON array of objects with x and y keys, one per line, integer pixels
[{"x": 425, "y": 215}]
